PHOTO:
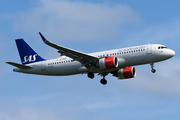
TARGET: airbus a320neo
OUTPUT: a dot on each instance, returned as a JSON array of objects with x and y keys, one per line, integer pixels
[{"x": 117, "y": 62}]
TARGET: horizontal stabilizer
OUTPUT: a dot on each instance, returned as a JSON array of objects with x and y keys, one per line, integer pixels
[{"x": 19, "y": 65}]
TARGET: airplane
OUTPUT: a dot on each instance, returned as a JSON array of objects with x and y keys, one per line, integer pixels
[{"x": 118, "y": 62}]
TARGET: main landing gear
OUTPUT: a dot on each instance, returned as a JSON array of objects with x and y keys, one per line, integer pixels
[
  {"x": 91, "y": 75},
  {"x": 102, "y": 81},
  {"x": 152, "y": 66}
]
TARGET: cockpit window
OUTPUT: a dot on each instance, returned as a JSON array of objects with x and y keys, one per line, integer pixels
[{"x": 162, "y": 47}]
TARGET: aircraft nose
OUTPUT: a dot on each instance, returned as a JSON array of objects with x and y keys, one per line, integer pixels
[{"x": 170, "y": 53}]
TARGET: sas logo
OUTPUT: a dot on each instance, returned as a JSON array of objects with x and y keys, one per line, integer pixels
[{"x": 30, "y": 58}]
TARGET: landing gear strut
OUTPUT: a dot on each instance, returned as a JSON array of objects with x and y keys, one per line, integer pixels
[
  {"x": 91, "y": 75},
  {"x": 103, "y": 81},
  {"x": 152, "y": 66}
]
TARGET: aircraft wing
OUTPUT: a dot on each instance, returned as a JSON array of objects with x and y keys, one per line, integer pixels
[{"x": 76, "y": 55}]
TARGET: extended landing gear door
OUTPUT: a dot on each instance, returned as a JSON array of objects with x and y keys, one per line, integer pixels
[
  {"x": 149, "y": 49},
  {"x": 43, "y": 66}
]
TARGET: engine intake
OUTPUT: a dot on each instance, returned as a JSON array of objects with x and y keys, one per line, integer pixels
[{"x": 108, "y": 63}]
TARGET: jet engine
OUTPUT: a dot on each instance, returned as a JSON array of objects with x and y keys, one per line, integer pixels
[
  {"x": 108, "y": 63},
  {"x": 125, "y": 73}
]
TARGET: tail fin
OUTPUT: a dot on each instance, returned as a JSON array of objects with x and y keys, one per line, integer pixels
[{"x": 26, "y": 53}]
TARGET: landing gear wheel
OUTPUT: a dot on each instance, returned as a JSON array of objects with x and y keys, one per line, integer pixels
[
  {"x": 152, "y": 66},
  {"x": 91, "y": 75},
  {"x": 153, "y": 70},
  {"x": 103, "y": 81}
]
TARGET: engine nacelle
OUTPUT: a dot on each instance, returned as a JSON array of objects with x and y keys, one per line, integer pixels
[
  {"x": 125, "y": 73},
  {"x": 108, "y": 63}
]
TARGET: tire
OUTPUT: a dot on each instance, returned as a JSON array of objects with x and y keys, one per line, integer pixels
[
  {"x": 91, "y": 75},
  {"x": 103, "y": 81},
  {"x": 153, "y": 70}
]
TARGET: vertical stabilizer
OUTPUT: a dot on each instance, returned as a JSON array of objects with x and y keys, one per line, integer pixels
[{"x": 26, "y": 53}]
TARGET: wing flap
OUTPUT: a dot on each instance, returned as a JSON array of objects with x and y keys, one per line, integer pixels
[{"x": 19, "y": 65}]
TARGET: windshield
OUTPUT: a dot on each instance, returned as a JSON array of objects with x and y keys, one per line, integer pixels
[{"x": 162, "y": 47}]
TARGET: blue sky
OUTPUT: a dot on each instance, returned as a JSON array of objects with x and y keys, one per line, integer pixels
[{"x": 89, "y": 26}]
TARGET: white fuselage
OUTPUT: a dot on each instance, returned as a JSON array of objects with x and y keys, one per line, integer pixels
[{"x": 130, "y": 56}]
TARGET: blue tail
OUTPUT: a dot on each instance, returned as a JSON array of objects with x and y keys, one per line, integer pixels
[{"x": 27, "y": 54}]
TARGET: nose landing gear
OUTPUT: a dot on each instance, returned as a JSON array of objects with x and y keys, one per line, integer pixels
[
  {"x": 153, "y": 70},
  {"x": 152, "y": 66}
]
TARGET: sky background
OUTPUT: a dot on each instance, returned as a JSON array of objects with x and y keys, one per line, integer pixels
[{"x": 89, "y": 26}]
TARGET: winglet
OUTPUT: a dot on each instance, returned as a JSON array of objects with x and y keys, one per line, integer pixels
[{"x": 43, "y": 38}]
